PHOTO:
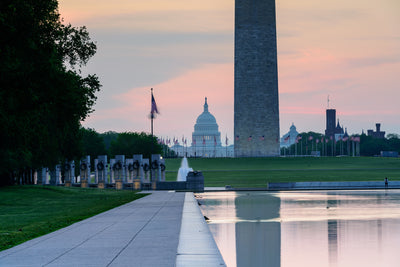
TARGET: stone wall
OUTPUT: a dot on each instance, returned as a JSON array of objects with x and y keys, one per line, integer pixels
[{"x": 256, "y": 104}]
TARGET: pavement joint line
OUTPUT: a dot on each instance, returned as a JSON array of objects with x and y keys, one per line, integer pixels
[
  {"x": 144, "y": 226},
  {"x": 98, "y": 232},
  {"x": 53, "y": 234},
  {"x": 43, "y": 238}
]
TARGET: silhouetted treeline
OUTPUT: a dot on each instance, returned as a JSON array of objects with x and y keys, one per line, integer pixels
[
  {"x": 43, "y": 94},
  {"x": 312, "y": 143}
]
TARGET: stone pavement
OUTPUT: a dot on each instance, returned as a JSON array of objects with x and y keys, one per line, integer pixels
[{"x": 144, "y": 232}]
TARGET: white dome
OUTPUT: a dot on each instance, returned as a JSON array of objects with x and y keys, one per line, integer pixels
[
  {"x": 206, "y": 129},
  {"x": 206, "y": 117}
]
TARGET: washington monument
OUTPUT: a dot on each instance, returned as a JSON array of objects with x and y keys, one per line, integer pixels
[{"x": 256, "y": 107}]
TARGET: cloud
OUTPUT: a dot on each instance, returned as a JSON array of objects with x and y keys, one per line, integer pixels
[
  {"x": 180, "y": 100},
  {"x": 375, "y": 61}
]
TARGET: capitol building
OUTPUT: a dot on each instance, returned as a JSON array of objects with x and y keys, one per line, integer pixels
[{"x": 206, "y": 139}]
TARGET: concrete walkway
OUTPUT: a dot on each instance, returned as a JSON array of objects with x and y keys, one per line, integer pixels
[{"x": 144, "y": 232}]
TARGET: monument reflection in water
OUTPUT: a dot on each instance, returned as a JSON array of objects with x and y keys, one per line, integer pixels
[{"x": 315, "y": 228}]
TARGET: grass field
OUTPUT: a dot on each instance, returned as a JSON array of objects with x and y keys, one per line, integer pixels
[
  {"x": 27, "y": 212},
  {"x": 256, "y": 172}
]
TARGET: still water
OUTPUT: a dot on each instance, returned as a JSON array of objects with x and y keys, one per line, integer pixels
[{"x": 307, "y": 228}]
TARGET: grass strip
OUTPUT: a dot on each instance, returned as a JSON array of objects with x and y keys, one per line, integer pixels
[
  {"x": 256, "y": 172},
  {"x": 27, "y": 212}
]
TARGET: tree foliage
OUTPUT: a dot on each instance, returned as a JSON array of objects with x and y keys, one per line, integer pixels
[
  {"x": 135, "y": 143},
  {"x": 92, "y": 143},
  {"x": 43, "y": 96}
]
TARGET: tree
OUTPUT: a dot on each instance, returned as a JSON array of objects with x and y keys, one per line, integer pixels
[
  {"x": 92, "y": 143},
  {"x": 43, "y": 96},
  {"x": 129, "y": 144},
  {"x": 108, "y": 137}
]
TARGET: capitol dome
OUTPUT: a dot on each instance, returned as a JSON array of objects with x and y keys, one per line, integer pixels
[
  {"x": 206, "y": 129},
  {"x": 206, "y": 139},
  {"x": 206, "y": 117}
]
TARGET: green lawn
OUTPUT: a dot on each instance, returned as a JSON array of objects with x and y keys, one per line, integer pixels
[
  {"x": 256, "y": 172},
  {"x": 27, "y": 212}
]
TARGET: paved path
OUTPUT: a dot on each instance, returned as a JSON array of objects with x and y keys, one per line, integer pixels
[{"x": 144, "y": 232}]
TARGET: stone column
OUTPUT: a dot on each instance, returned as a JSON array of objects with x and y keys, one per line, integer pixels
[
  {"x": 119, "y": 171},
  {"x": 155, "y": 170},
  {"x": 101, "y": 171},
  {"x": 85, "y": 171},
  {"x": 138, "y": 171}
]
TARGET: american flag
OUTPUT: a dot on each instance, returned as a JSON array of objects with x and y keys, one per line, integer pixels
[
  {"x": 262, "y": 138},
  {"x": 249, "y": 139},
  {"x": 204, "y": 141},
  {"x": 310, "y": 138},
  {"x": 154, "y": 108},
  {"x": 286, "y": 138},
  {"x": 237, "y": 138}
]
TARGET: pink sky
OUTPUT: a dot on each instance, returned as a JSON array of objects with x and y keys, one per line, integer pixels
[{"x": 349, "y": 50}]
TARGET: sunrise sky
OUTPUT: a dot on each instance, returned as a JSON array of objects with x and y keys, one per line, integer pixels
[{"x": 349, "y": 50}]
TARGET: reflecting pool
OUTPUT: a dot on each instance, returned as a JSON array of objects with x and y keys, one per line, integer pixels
[{"x": 307, "y": 228}]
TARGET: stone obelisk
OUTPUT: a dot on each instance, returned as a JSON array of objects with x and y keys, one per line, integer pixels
[{"x": 256, "y": 116}]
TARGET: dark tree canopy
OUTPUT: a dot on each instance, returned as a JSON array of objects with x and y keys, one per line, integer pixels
[
  {"x": 135, "y": 143},
  {"x": 43, "y": 96}
]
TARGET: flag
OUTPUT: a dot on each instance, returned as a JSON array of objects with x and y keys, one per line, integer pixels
[
  {"x": 310, "y": 138},
  {"x": 299, "y": 137},
  {"x": 215, "y": 140},
  {"x": 194, "y": 141},
  {"x": 249, "y": 139},
  {"x": 286, "y": 138},
  {"x": 154, "y": 108},
  {"x": 262, "y": 138},
  {"x": 237, "y": 138},
  {"x": 204, "y": 141},
  {"x": 317, "y": 141},
  {"x": 345, "y": 139}
]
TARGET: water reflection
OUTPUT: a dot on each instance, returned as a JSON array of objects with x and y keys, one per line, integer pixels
[{"x": 328, "y": 228}]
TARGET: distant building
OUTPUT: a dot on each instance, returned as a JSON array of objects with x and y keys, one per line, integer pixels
[
  {"x": 378, "y": 133},
  {"x": 333, "y": 129},
  {"x": 206, "y": 139},
  {"x": 289, "y": 138}
]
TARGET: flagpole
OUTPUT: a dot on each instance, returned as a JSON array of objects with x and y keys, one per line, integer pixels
[{"x": 152, "y": 114}]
